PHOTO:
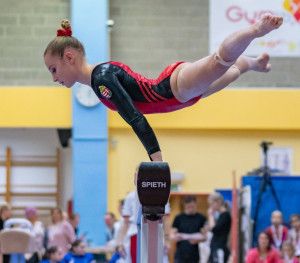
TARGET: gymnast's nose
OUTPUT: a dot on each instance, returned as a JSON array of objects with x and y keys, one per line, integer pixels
[{"x": 54, "y": 78}]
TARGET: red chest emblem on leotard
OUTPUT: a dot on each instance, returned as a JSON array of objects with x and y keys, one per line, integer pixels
[{"x": 105, "y": 92}]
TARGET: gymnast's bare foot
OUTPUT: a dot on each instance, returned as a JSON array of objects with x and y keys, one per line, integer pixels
[
  {"x": 260, "y": 63},
  {"x": 267, "y": 23}
]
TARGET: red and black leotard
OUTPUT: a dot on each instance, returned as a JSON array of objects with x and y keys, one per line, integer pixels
[{"x": 132, "y": 95}]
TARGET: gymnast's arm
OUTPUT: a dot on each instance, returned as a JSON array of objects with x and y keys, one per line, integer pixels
[{"x": 134, "y": 118}]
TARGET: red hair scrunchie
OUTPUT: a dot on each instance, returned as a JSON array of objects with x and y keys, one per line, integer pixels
[{"x": 65, "y": 32}]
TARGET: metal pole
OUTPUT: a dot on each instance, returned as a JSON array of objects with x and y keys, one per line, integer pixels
[{"x": 152, "y": 244}]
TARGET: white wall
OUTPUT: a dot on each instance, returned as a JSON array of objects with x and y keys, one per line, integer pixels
[{"x": 39, "y": 142}]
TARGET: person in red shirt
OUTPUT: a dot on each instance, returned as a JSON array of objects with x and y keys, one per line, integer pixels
[
  {"x": 277, "y": 232},
  {"x": 264, "y": 252}
]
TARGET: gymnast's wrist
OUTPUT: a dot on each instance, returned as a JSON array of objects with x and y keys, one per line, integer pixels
[{"x": 156, "y": 157}]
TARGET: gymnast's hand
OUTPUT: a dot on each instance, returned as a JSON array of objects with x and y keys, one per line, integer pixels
[{"x": 156, "y": 157}]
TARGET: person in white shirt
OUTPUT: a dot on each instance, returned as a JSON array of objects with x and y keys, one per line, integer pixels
[
  {"x": 127, "y": 236},
  {"x": 38, "y": 230}
]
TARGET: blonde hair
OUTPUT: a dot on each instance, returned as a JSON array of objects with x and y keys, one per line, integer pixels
[
  {"x": 289, "y": 245},
  {"x": 64, "y": 40},
  {"x": 215, "y": 196},
  {"x": 4, "y": 208}
]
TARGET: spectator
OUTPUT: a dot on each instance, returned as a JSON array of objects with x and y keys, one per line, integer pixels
[
  {"x": 127, "y": 235},
  {"x": 110, "y": 246},
  {"x": 288, "y": 253},
  {"x": 126, "y": 240},
  {"x": 77, "y": 254},
  {"x": 5, "y": 213},
  {"x": 263, "y": 253},
  {"x": 110, "y": 220},
  {"x": 219, "y": 221},
  {"x": 38, "y": 230},
  {"x": 53, "y": 255},
  {"x": 277, "y": 232},
  {"x": 115, "y": 228},
  {"x": 294, "y": 232},
  {"x": 60, "y": 234},
  {"x": 186, "y": 231}
]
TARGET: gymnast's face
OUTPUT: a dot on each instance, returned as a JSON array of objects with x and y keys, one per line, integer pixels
[{"x": 63, "y": 69}]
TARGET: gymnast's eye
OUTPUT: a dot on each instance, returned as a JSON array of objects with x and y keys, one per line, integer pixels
[{"x": 53, "y": 70}]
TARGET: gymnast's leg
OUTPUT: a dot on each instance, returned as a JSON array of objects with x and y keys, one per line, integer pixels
[
  {"x": 193, "y": 79},
  {"x": 242, "y": 65}
]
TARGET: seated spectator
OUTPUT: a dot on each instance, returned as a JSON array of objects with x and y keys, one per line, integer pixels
[
  {"x": 277, "y": 232},
  {"x": 111, "y": 244},
  {"x": 5, "y": 213},
  {"x": 60, "y": 233},
  {"x": 52, "y": 255},
  {"x": 110, "y": 220},
  {"x": 38, "y": 230},
  {"x": 288, "y": 253},
  {"x": 294, "y": 232},
  {"x": 77, "y": 254},
  {"x": 263, "y": 253}
]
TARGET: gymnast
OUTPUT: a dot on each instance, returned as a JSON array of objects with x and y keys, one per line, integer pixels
[{"x": 180, "y": 85}]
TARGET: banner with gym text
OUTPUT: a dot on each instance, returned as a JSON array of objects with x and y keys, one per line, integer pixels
[{"x": 228, "y": 16}]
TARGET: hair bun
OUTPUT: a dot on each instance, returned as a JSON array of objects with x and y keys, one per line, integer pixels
[
  {"x": 65, "y": 23},
  {"x": 66, "y": 30}
]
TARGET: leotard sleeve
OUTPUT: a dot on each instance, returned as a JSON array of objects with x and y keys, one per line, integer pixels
[{"x": 125, "y": 107}]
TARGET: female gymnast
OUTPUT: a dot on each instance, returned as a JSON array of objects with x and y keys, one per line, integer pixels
[{"x": 180, "y": 85}]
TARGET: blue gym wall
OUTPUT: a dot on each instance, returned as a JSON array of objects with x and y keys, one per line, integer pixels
[{"x": 287, "y": 189}]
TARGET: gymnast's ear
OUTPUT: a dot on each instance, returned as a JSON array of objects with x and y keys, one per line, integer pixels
[{"x": 69, "y": 56}]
